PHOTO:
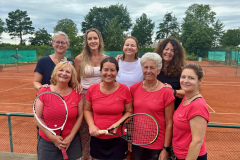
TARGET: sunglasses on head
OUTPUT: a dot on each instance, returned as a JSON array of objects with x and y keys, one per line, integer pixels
[{"x": 65, "y": 60}]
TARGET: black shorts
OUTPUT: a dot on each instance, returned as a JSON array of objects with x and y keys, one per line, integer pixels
[
  {"x": 203, "y": 157},
  {"x": 47, "y": 150},
  {"x": 140, "y": 153},
  {"x": 111, "y": 149}
]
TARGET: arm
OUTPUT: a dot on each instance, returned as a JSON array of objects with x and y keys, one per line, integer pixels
[
  {"x": 198, "y": 126},
  {"x": 88, "y": 115},
  {"x": 37, "y": 82},
  {"x": 168, "y": 113},
  {"x": 179, "y": 93},
  {"x": 67, "y": 140},
  {"x": 128, "y": 111},
  {"x": 77, "y": 62}
]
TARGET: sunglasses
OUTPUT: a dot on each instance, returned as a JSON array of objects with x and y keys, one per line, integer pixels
[{"x": 65, "y": 60}]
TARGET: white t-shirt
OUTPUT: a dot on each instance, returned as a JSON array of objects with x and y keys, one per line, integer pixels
[{"x": 129, "y": 72}]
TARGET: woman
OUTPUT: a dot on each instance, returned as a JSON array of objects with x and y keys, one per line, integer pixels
[
  {"x": 87, "y": 65},
  {"x": 45, "y": 65},
  {"x": 130, "y": 71},
  {"x": 191, "y": 117},
  {"x": 150, "y": 96},
  {"x": 173, "y": 59},
  {"x": 63, "y": 80},
  {"x": 108, "y": 103}
]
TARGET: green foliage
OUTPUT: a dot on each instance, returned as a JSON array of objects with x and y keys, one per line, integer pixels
[
  {"x": 168, "y": 28},
  {"x": 199, "y": 18},
  {"x": 70, "y": 28},
  {"x": 1, "y": 27},
  {"x": 114, "y": 36},
  {"x": 231, "y": 38},
  {"x": 143, "y": 30},
  {"x": 19, "y": 24},
  {"x": 217, "y": 32},
  {"x": 100, "y": 17},
  {"x": 41, "y": 38}
]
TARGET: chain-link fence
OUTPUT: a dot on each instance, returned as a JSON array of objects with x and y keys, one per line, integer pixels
[{"x": 18, "y": 134}]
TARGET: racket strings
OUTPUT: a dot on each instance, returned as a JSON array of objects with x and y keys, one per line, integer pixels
[{"x": 141, "y": 129}]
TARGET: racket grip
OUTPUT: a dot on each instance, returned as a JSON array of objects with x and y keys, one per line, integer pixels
[
  {"x": 64, "y": 153},
  {"x": 102, "y": 131}
]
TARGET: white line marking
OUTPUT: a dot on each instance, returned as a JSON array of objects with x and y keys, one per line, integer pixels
[
  {"x": 211, "y": 108},
  {"x": 225, "y": 113},
  {"x": 16, "y": 87},
  {"x": 221, "y": 123},
  {"x": 16, "y": 103}
]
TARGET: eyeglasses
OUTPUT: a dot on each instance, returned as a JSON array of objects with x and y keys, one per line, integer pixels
[
  {"x": 65, "y": 60},
  {"x": 60, "y": 42}
]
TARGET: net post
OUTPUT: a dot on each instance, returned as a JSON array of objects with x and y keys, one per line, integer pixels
[{"x": 10, "y": 131}]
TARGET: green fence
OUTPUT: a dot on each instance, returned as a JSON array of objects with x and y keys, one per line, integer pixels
[
  {"x": 115, "y": 53},
  {"x": 18, "y": 134},
  {"x": 227, "y": 56}
]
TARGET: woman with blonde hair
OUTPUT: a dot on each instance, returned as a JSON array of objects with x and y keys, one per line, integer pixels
[{"x": 87, "y": 65}]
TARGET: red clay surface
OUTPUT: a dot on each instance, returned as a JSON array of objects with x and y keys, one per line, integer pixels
[{"x": 220, "y": 88}]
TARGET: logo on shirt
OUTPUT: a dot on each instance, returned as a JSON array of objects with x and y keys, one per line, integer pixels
[
  {"x": 117, "y": 99},
  {"x": 154, "y": 100},
  {"x": 180, "y": 115}
]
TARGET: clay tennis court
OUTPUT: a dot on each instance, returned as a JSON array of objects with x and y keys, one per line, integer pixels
[{"x": 220, "y": 89}]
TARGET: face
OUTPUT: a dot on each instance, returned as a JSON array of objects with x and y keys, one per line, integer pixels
[
  {"x": 60, "y": 44},
  {"x": 150, "y": 70},
  {"x": 93, "y": 40},
  {"x": 109, "y": 72},
  {"x": 64, "y": 74},
  {"x": 130, "y": 47},
  {"x": 168, "y": 53},
  {"x": 189, "y": 81}
]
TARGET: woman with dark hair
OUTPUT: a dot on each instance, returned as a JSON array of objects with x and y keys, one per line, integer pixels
[
  {"x": 191, "y": 118},
  {"x": 108, "y": 103},
  {"x": 87, "y": 65},
  {"x": 130, "y": 70},
  {"x": 173, "y": 59}
]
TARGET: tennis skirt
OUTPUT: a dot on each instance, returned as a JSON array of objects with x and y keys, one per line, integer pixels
[
  {"x": 140, "y": 153},
  {"x": 111, "y": 149},
  {"x": 46, "y": 150}
]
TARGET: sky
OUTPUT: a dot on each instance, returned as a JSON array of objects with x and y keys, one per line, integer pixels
[{"x": 46, "y": 14}]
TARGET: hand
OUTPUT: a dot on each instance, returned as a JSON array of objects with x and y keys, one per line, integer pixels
[
  {"x": 67, "y": 141},
  {"x": 119, "y": 57},
  {"x": 93, "y": 130},
  {"x": 163, "y": 155},
  {"x": 113, "y": 126},
  {"x": 167, "y": 85},
  {"x": 78, "y": 88},
  {"x": 58, "y": 141},
  {"x": 45, "y": 86}
]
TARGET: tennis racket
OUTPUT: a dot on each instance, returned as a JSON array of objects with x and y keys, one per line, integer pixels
[
  {"x": 139, "y": 129},
  {"x": 51, "y": 112}
]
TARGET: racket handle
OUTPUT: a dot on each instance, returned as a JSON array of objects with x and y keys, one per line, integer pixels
[
  {"x": 64, "y": 153},
  {"x": 102, "y": 131}
]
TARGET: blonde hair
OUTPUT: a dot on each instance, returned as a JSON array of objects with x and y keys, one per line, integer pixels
[
  {"x": 86, "y": 54},
  {"x": 73, "y": 81}
]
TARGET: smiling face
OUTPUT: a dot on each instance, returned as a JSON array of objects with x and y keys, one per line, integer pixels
[
  {"x": 109, "y": 72},
  {"x": 130, "y": 47},
  {"x": 189, "y": 80},
  {"x": 150, "y": 70},
  {"x": 168, "y": 53},
  {"x": 93, "y": 40},
  {"x": 64, "y": 74},
  {"x": 60, "y": 44}
]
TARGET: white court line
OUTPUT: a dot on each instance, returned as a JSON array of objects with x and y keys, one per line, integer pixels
[
  {"x": 225, "y": 113},
  {"x": 15, "y": 87},
  {"x": 223, "y": 123},
  {"x": 211, "y": 108},
  {"x": 15, "y": 112},
  {"x": 219, "y": 85},
  {"x": 16, "y": 104}
]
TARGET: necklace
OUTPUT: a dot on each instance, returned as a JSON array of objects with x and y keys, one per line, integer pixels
[
  {"x": 191, "y": 97},
  {"x": 154, "y": 86}
]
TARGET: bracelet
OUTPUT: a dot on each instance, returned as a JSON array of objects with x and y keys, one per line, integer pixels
[{"x": 167, "y": 149}]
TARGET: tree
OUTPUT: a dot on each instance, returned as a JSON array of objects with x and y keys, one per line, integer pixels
[
  {"x": 19, "y": 24},
  {"x": 100, "y": 17},
  {"x": 1, "y": 27},
  {"x": 143, "y": 30},
  {"x": 197, "y": 15},
  {"x": 41, "y": 38},
  {"x": 231, "y": 38},
  {"x": 114, "y": 35},
  {"x": 70, "y": 28},
  {"x": 217, "y": 32},
  {"x": 169, "y": 27}
]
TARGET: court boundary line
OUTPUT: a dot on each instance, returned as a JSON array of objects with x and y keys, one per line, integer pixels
[
  {"x": 15, "y": 87},
  {"x": 15, "y": 103},
  {"x": 211, "y": 108}
]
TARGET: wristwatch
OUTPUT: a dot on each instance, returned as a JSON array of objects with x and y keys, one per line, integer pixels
[
  {"x": 167, "y": 148},
  {"x": 174, "y": 92}
]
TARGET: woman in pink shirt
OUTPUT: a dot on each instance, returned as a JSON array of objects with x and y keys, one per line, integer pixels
[{"x": 191, "y": 118}]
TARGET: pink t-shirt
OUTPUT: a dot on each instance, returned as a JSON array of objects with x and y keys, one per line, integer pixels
[
  {"x": 72, "y": 101},
  {"x": 182, "y": 136},
  {"x": 154, "y": 104},
  {"x": 108, "y": 108}
]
